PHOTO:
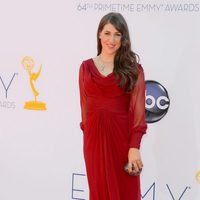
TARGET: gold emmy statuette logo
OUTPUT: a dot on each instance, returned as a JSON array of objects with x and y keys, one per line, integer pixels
[
  {"x": 198, "y": 177},
  {"x": 28, "y": 64}
]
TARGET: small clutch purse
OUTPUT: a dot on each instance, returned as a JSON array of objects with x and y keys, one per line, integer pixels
[{"x": 133, "y": 173}]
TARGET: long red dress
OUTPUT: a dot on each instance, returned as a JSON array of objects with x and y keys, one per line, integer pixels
[{"x": 112, "y": 122}]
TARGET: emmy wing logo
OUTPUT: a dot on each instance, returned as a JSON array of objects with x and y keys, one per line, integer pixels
[
  {"x": 198, "y": 177},
  {"x": 28, "y": 64}
]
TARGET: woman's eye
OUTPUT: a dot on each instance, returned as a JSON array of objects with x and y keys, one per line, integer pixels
[
  {"x": 118, "y": 34},
  {"x": 106, "y": 33}
]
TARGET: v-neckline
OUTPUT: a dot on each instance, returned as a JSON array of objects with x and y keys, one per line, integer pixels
[{"x": 95, "y": 67}]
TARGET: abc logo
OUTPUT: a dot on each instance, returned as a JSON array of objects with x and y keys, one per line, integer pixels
[{"x": 157, "y": 101}]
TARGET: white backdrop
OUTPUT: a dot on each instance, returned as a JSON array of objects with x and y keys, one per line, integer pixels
[{"x": 41, "y": 151}]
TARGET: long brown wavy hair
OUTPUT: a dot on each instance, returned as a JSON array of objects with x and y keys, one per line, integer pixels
[{"x": 125, "y": 61}]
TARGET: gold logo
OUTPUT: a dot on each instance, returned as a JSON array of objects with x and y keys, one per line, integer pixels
[
  {"x": 28, "y": 64},
  {"x": 198, "y": 177}
]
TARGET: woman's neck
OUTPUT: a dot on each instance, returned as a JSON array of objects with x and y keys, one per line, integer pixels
[{"x": 106, "y": 57}]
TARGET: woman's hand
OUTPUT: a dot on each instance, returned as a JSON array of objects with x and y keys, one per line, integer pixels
[{"x": 135, "y": 159}]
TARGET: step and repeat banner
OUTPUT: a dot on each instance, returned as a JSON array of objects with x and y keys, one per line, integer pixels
[{"x": 42, "y": 46}]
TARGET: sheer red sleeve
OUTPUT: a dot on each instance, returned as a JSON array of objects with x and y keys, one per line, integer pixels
[
  {"x": 137, "y": 121},
  {"x": 83, "y": 97}
]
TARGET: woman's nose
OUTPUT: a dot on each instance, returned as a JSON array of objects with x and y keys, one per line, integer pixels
[{"x": 112, "y": 38}]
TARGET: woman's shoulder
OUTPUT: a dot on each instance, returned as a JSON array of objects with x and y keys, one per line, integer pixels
[
  {"x": 86, "y": 61},
  {"x": 85, "y": 64},
  {"x": 140, "y": 72},
  {"x": 140, "y": 68}
]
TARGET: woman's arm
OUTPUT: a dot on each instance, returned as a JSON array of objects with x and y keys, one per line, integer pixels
[
  {"x": 83, "y": 96},
  {"x": 137, "y": 121}
]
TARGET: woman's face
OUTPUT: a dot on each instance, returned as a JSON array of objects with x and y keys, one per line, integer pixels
[{"x": 110, "y": 39}]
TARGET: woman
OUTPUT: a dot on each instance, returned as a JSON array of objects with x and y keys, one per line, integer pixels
[{"x": 112, "y": 96}]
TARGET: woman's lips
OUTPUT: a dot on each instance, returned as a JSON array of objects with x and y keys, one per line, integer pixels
[{"x": 111, "y": 46}]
